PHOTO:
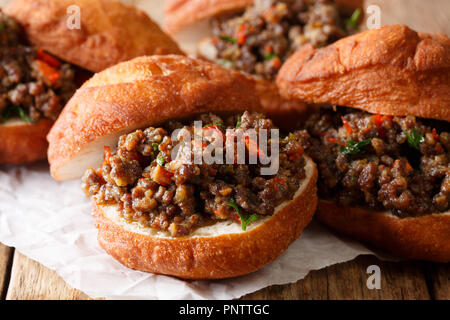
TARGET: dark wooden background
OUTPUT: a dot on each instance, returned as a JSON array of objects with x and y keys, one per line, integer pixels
[{"x": 23, "y": 278}]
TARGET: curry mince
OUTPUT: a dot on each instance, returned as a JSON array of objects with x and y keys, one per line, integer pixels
[
  {"x": 382, "y": 162},
  {"x": 176, "y": 196},
  {"x": 267, "y": 33},
  {"x": 34, "y": 84}
]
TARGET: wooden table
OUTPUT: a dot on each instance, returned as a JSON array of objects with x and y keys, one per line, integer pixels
[{"x": 22, "y": 278}]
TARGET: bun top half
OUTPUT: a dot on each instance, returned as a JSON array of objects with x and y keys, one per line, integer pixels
[
  {"x": 110, "y": 32},
  {"x": 145, "y": 91},
  {"x": 392, "y": 70}
]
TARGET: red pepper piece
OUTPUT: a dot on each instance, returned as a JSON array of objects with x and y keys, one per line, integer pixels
[
  {"x": 252, "y": 146},
  {"x": 241, "y": 36},
  {"x": 276, "y": 62},
  {"x": 435, "y": 134},
  {"x": 50, "y": 74},
  {"x": 379, "y": 119},
  {"x": 162, "y": 176},
  {"x": 279, "y": 180},
  {"x": 347, "y": 126},
  {"x": 107, "y": 152},
  {"x": 333, "y": 140},
  {"x": 297, "y": 155},
  {"x": 50, "y": 60}
]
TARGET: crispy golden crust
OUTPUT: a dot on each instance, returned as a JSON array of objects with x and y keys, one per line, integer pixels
[
  {"x": 110, "y": 32},
  {"x": 181, "y": 13},
  {"x": 422, "y": 238},
  {"x": 392, "y": 70},
  {"x": 22, "y": 142},
  {"x": 286, "y": 113},
  {"x": 138, "y": 93},
  {"x": 271, "y": 99},
  {"x": 212, "y": 257}
]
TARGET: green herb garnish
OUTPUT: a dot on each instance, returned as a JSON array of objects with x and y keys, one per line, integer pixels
[
  {"x": 270, "y": 56},
  {"x": 214, "y": 124},
  {"x": 225, "y": 63},
  {"x": 227, "y": 39},
  {"x": 354, "y": 147},
  {"x": 352, "y": 22},
  {"x": 238, "y": 123},
  {"x": 23, "y": 115},
  {"x": 245, "y": 219},
  {"x": 11, "y": 111},
  {"x": 155, "y": 146},
  {"x": 2, "y": 27},
  {"x": 414, "y": 138},
  {"x": 160, "y": 160}
]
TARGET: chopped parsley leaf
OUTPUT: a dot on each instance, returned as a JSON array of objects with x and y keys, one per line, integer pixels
[
  {"x": 11, "y": 111},
  {"x": 270, "y": 56},
  {"x": 352, "y": 147},
  {"x": 227, "y": 39},
  {"x": 352, "y": 22},
  {"x": 160, "y": 160},
  {"x": 414, "y": 138},
  {"x": 214, "y": 124},
  {"x": 238, "y": 123},
  {"x": 245, "y": 219}
]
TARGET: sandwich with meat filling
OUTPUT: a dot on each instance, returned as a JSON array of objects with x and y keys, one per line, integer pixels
[
  {"x": 156, "y": 207},
  {"x": 383, "y": 159},
  {"x": 256, "y": 37},
  {"x": 34, "y": 88},
  {"x": 167, "y": 194},
  {"x": 260, "y": 38},
  {"x": 43, "y": 61}
]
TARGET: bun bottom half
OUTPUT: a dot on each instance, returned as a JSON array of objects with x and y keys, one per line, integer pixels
[
  {"x": 418, "y": 238},
  {"x": 22, "y": 142},
  {"x": 221, "y": 250}
]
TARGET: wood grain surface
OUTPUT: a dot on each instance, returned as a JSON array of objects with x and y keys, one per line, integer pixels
[
  {"x": 30, "y": 280},
  {"x": 399, "y": 281},
  {"x": 5, "y": 266},
  {"x": 23, "y": 278}
]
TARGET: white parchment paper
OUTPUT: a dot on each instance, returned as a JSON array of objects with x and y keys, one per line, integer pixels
[{"x": 51, "y": 222}]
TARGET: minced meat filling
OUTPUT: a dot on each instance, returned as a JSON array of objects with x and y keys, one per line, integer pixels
[
  {"x": 34, "y": 84},
  {"x": 267, "y": 33},
  {"x": 399, "y": 164},
  {"x": 177, "y": 196}
]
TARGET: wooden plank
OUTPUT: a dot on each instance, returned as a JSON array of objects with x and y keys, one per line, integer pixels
[
  {"x": 399, "y": 280},
  {"x": 5, "y": 266},
  {"x": 30, "y": 280},
  {"x": 403, "y": 280},
  {"x": 439, "y": 280},
  {"x": 312, "y": 287}
]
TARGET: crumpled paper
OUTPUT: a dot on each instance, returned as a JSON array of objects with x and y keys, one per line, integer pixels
[{"x": 51, "y": 222}]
